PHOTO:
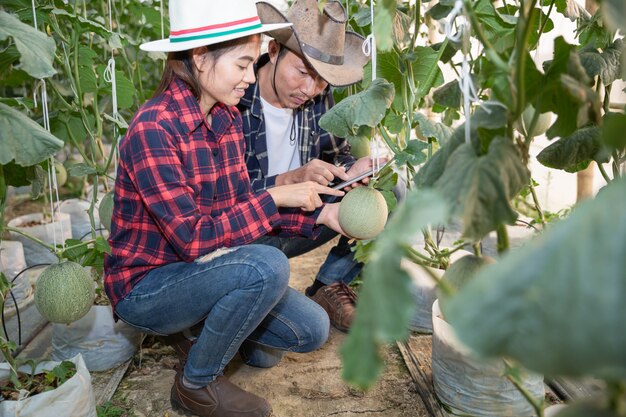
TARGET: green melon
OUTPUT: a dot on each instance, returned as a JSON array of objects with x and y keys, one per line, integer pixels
[
  {"x": 359, "y": 146},
  {"x": 544, "y": 121},
  {"x": 460, "y": 272},
  {"x": 64, "y": 292},
  {"x": 363, "y": 213},
  {"x": 105, "y": 210},
  {"x": 61, "y": 173}
]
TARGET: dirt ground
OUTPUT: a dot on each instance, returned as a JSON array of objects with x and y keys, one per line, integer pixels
[{"x": 302, "y": 385}]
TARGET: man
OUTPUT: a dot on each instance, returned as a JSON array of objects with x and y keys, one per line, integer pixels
[{"x": 284, "y": 143}]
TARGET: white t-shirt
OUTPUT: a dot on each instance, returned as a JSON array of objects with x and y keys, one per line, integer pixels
[{"x": 282, "y": 152}]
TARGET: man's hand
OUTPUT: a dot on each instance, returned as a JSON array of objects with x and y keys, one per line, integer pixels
[
  {"x": 360, "y": 166},
  {"x": 315, "y": 170},
  {"x": 329, "y": 217},
  {"x": 304, "y": 195}
]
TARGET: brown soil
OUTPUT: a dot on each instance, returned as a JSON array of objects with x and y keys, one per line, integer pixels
[{"x": 301, "y": 385}]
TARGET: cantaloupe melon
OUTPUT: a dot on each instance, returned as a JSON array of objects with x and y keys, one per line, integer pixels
[
  {"x": 105, "y": 210},
  {"x": 61, "y": 173},
  {"x": 460, "y": 272},
  {"x": 64, "y": 292},
  {"x": 363, "y": 213}
]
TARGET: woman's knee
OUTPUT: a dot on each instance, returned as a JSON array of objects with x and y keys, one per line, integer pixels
[{"x": 269, "y": 266}]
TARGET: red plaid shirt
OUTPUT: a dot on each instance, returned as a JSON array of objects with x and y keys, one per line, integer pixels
[{"x": 182, "y": 190}]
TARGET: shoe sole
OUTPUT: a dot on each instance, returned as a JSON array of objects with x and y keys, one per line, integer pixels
[{"x": 180, "y": 409}]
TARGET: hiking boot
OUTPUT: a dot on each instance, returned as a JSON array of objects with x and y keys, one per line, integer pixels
[
  {"x": 339, "y": 302},
  {"x": 181, "y": 345},
  {"x": 220, "y": 398}
]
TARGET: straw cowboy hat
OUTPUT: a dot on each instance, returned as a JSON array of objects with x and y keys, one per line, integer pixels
[
  {"x": 321, "y": 38},
  {"x": 196, "y": 23}
]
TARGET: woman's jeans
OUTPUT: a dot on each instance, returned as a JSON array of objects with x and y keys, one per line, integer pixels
[{"x": 242, "y": 295}]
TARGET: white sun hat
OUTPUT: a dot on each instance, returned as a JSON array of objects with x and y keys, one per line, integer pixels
[{"x": 196, "y": 23}]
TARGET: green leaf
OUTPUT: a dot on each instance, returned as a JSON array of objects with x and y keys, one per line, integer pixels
[
  {"x": 83, "y": 25},
  {"x": 414, "y": 153},
  {"x": 439, "y": 11},
  {"x": 614, "y": 126},
  {"x": 385, "y": 302},
  {"x": 80, "y": 170},
  {"x": 448, "y": 95},
  {"x": 606, "y": 64},
  {"x": 479, "y": 188},
  {"x": 431, "y": 129},
  {"x": 364, "y": 108},
  {"x": 124, "y": 87},
  {"x": 18, "y": 176},
  {"x": 556, "y": 304},
  {"x": 87, "y": 79},
  {"x": 36, "y": 49},
  {"x": 383, "y": 24},
  {"x": 23, "y": 140},
  {"x": 102, "y": 245},
  {"x": 614, "y": 14},
  {"x": 426, "y": 72},
  {"x": 491, "y": 115},
  {"x": 574, "y": 153}
]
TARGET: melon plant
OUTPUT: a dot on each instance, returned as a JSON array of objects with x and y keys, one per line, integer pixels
[
  {"x": 105, "y": 210},
  {"x": 64, "y": 292},
  {"x": 544, "y": 122},
  {"x": 363, "y": 213},
  {"x": 459, "y": 273}
]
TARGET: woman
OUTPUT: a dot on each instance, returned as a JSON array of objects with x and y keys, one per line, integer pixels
[{"x": 184, "y": 213}]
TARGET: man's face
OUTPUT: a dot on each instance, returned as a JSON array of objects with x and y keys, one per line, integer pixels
[{"x": 295, "y": 81}]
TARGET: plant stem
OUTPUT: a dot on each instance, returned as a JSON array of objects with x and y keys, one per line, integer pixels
[
  {"x": 533, "y": 193},
  {"x": 520, "y": 53},
  {"x": 503, "y": 238},
  {"x": 33, "y": 238},
  {"x": 604, "y": 174},
  {"x": 537, "y": 405},
  {"x": 417, "y": 23}
]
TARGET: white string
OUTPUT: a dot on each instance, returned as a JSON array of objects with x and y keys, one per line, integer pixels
[
  {"x": 466, "y": 85},
  {"x": 109, "y": 76},
  {"x": 369, "y": 49},
  {"x": 52, "y": 178}
]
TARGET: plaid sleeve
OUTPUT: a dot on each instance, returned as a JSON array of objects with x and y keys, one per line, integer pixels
[{"x": 161, "y": 183}]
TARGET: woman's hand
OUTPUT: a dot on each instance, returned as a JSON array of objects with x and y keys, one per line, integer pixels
[{"x": 303, "y": 195}]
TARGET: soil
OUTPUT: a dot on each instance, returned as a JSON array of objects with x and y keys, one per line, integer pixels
[{"x": 301, "y": 385}]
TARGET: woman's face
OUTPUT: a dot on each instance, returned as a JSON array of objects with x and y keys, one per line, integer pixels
[{"x": 225, "y": 79}]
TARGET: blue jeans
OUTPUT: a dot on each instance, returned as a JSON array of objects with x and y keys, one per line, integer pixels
[
  {"x": 339, "y": 265},
  {"x": 243, "y": 298}
]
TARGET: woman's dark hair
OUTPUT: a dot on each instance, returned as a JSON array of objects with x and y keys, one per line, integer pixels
[{"x": 180, "y": 64}]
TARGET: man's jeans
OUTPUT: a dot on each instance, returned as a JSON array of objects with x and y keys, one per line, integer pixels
[
  {"x": 242, "y": 295},
  {"x": 339, "y": 264}
]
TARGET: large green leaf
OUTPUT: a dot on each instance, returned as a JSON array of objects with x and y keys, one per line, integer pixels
[
  {"x": 36, "y": 49},
  {"x": 431, "y": 129},
  {"x": 556, "y": 305},
  {"x": 479, "y": 188},
  {"x": 23, "y": 140},
  {"x": 365, "y": 108},
  {"x": 574, "y": 153},
  {"x": 490, "y": 115},
  {"x": 426, "y": 71},
  {"x": 385, "y": 302},
  {"x": 565, "y": 88},
  {"x": 613, "y": 128}
]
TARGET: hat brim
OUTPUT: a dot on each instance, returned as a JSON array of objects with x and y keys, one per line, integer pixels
[
  {"x": 165, "y": 45},
  {"x": 350, "y": 72}
]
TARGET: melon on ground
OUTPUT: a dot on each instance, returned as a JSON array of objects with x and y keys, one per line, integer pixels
[
  {"x": 363, "y": 213},
  {"x": 105, "y": 210},
  {"x": 64, "y": 292}
]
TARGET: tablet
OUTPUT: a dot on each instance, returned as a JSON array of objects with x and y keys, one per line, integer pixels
[{"x": 353, "y": 180}]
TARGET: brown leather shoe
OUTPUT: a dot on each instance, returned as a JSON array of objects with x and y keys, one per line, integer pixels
[
  {"x": 181, "y": 345},
  {"x": 220, "y": 398},
  {"x": 339, "y": 302}
]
